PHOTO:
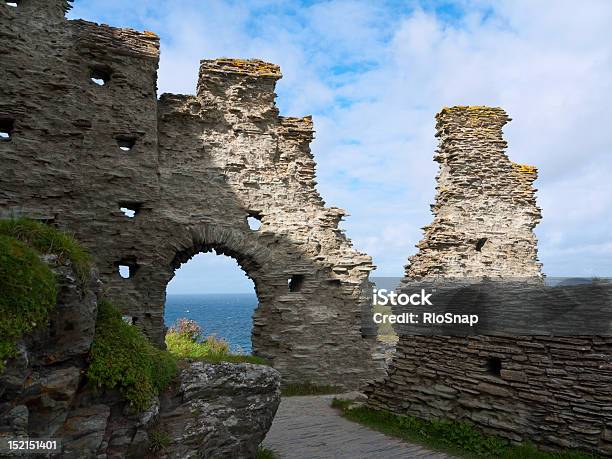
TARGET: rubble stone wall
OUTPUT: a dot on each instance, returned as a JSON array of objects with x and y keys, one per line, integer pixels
[
  {"x": 485, "y": 209},
  {"x": 553, "y": 391},
  {"x": 193, "y": 168}
]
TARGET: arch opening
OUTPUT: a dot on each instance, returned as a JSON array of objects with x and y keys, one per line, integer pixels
[{"x": 211, "y": 287}]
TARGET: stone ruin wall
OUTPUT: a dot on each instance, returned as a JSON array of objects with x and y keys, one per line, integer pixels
[
  {"x": 197, "y": 168},
  {"x": 553, "y": 391},
  {"x": 485, "y": 209}
]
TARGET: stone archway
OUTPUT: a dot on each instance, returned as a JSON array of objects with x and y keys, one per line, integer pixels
[
  {"x": 243, "y": 263},
  {"x": 213, "y": 290},
  {"x": 300, "y": 330}
]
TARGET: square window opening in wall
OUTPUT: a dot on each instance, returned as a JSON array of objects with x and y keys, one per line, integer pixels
[
  {"x": 494, "y": 366},
  {"x": 125, "y": 142},
  {"x": 295, "y": 283},
  {"x": 131, "y": 320},
  {"x": 100, "y": 75},
  {"x": 6, "y": 128},
  {"x": 254, "y": 221},
  {"x": 480, "y": 243},
  {"x": 127, "y": 268},
  {"x": 130, "y": 209}
]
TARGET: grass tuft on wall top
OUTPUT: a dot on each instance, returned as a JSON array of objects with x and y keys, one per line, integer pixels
[{"x": 49, "y": 240}]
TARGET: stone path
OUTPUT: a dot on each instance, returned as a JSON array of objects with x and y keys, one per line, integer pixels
[{"x": 309, "y": 428}]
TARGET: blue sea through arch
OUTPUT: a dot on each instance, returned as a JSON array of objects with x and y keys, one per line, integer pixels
[
  {"x": 226, "y": 315},
  {"x": 214, "y": 291}
]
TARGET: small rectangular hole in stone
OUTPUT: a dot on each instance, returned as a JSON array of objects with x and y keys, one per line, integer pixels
[
  {"x": 124, "y": 271},
  {"x": 125, "y": 143},
  {"x": 494, "y": 366},
  {"x": 480, "y": 243},
  {"x": 100, "y": 75},
  {"x": 6, "y": 128},
  {"x": 254, "y": 221},
  {"x": 295, "y": 283},
  {"x": 127, "y": 267},
  {"x": 131, "y": 320},
  {"x": 130, "y": 209}
]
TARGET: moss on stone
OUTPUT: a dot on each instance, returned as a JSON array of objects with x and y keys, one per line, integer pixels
[
  {"x": 46, "y": 239},
  {"x": 29, "y": 292},
  {"x": 122, "y": 358}
]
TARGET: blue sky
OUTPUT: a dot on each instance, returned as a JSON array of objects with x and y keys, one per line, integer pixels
[{"x": 374, "y": 73}]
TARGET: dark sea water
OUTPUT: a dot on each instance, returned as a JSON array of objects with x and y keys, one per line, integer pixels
[{"x": 227, "y": 315}]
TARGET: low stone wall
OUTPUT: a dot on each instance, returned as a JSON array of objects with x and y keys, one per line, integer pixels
[{"x": 551, "y": 391}]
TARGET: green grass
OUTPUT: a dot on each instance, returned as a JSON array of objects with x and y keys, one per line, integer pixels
[
  {"x": 159, "y": 441},
  {"x": 384, "y": 329},
  {"x": 292, "y": 390},
  {"x": 265, "y": 453},
  {"x": 122, "y": 358},
  {"x": 28, "y": 293},
  {"x": 27, "y": 284},
  {"x": 189, "y": 344},
  {"x": 46, "y": 239},
  {"x": 457, "y": 438}
]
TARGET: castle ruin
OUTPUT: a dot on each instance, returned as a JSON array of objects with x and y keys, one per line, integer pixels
[
  {"x": 86, "y": 136},
  {"x": 83, "y": 136}
]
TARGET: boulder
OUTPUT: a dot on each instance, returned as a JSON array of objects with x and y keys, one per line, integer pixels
[{"x": 218, "y": 410}]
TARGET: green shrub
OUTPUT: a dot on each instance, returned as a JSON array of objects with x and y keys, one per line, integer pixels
[
  {"x": 47, "y": 239},
  {"x": 185, "y": 341},
  {"x": 159, "y": 441},
  {"x": 187, "y": 328},
  {"x": 122, "y": 358},
  {"x": 265, "y": 453},
  {"x": 29, "y": 293}
]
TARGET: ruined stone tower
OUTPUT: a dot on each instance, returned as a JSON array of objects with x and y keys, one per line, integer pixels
[
  {"x": 191, "y": 169},
  {"x": 553, "y": 391},
  {"x": 485, "y": 209}
]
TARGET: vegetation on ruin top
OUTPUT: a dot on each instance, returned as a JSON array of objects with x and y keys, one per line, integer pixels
[
  {"x": 525, "y": 168},
  {"x": 29, "y": 293},
  {"x": 247, "y": 66},
  {"x": 185, "y": 340},
  {"x": 457, "y": 438},
  {"x": 460, "y": 108},
  {"x": 49, "y": 240},
  {"x": 122, "y": 358}
]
